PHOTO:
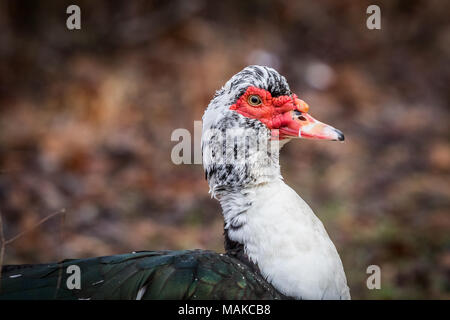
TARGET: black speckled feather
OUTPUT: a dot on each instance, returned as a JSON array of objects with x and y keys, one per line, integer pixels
[{"x": 190, "y": 274}]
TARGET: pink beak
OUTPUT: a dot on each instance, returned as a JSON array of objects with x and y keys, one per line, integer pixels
[{"x": 299, "y": 124}]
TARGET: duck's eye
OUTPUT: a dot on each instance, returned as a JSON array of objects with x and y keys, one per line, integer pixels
[{"x": 254, "y": 100}]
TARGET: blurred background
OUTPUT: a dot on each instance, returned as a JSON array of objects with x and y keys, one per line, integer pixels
[{"x": 86, "y": 118}]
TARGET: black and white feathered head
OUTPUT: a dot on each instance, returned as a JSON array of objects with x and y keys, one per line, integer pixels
[{"x": 245, "y": 124}]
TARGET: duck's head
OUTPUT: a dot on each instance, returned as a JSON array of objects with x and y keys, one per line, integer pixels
[
  {"x": 262, "y": 94},
  {"x": 256, "y": 108}
]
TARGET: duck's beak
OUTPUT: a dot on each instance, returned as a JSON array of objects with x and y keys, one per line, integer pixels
[{"x": 299, "y": 124}]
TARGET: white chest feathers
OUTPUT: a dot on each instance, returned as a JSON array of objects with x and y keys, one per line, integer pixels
[{"x": 289, "y": 244}]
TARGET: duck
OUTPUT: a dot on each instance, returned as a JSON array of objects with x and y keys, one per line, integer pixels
[{"x": 275, "y": 247}]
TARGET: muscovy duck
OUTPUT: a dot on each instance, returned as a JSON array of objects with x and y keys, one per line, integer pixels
[{"x": 276, "y": 248}]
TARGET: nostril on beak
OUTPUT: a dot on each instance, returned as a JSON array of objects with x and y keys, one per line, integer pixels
[
  {"x": 299, "y": 116},
  {"x": 340, "y": 135}
]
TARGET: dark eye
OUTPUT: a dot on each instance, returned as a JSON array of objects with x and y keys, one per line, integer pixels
[{"x": 254, "y": 100}]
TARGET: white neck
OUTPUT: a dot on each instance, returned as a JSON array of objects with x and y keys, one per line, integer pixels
[{"x": 284, "y": 238}]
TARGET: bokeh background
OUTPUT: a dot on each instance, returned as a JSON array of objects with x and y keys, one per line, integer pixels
[{"x": 86, "y": 119}]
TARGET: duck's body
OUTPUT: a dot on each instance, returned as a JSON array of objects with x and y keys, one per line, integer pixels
[{"x": 275, "y": 246}]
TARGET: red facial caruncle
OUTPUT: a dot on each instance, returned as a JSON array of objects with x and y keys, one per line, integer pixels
[{"x": 286, "y": 116}]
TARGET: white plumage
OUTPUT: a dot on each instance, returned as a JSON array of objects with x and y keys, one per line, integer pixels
[{"x": 290, "y": 245}]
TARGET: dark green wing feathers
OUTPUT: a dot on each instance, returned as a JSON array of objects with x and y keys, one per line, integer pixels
[{"x": 190, "y": 274}]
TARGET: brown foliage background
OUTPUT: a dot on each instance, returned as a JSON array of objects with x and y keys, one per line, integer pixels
[{"x": 86, "y": 118}]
